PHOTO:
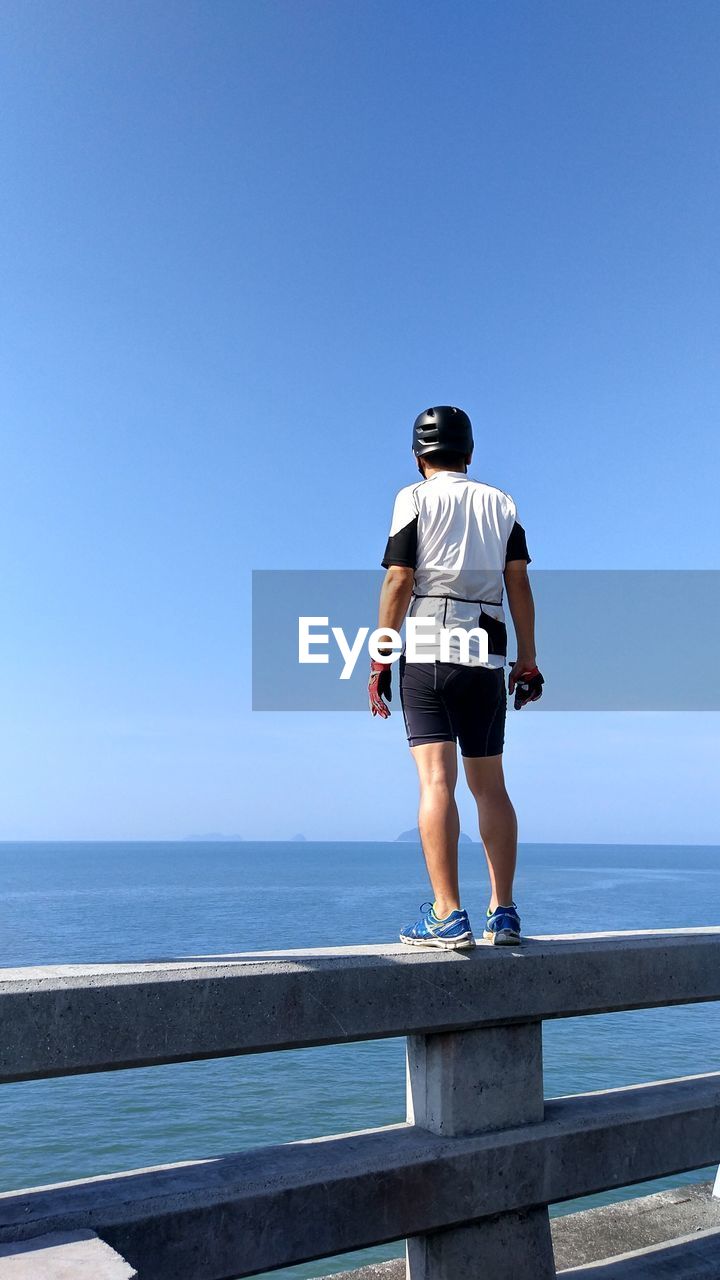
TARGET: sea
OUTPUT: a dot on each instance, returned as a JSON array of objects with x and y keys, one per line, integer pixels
[{"x": 112, "y": 902}]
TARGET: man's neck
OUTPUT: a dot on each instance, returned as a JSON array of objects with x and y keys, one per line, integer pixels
[{"x": 431, "y": 472}]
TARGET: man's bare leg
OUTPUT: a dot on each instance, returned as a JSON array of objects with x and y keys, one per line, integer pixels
[
  {"x": 439, "y": 821},
  {"x": 498, "y": 824}
]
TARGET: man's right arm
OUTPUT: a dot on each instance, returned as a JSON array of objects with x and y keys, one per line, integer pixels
[
  {"x": 397, "y": 589},
  {"x": 395, "y": 596}
]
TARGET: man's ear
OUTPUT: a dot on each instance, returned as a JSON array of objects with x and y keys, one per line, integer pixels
[{"x": 468, "y": 459}]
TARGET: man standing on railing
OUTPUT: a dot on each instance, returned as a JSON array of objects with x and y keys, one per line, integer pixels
[{"x": 453, "y": 542}]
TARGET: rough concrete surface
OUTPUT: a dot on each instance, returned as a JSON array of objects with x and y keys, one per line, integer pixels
[
  {"x": 594, "y": 1234},
  {"x": 463, "y": 1082},
  {"x": 485, "y": 1248},
  {"x": 695, "y": 1257},
  {"x": 76, "y": 1255},
  {"x": 64, "y": 1020}
]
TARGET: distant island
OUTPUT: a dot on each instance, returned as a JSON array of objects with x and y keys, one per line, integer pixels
[
  {"x": 213, "y": 837},
  {"x": 299, "y": 837},
  {"x": 413, "y": 836}
]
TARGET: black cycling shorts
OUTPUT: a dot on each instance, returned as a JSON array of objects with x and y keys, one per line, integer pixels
[{"x": 446, "y": 702}]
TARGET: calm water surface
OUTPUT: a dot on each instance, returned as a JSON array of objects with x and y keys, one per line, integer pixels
[{"x": 63, "y": 903}]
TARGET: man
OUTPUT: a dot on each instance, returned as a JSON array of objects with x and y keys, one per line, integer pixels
[{"x": 453, "y": 542}]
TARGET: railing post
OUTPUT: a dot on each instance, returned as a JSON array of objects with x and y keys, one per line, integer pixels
[{"x": 468, "y": 1082}]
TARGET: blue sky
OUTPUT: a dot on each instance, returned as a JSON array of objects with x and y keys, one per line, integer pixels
[{"x": 243, "y": 245}]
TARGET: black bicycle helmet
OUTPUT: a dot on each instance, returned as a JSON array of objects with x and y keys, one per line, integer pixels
[{"x": 442, "y": 427}]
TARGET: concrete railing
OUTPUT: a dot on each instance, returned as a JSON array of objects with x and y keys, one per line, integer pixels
[{"x": 471, "y": 1173}]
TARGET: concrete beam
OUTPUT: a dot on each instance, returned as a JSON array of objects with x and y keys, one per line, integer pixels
[
  {"x": 276, "y": 1206},
  {"x": 74, "y": 1255},
  {"x": 71, "y": 1019}
]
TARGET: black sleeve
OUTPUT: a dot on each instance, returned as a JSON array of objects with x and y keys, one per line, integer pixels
[
  {"x": 401, "y": 547},
  {"x": 517, "y": 545}
]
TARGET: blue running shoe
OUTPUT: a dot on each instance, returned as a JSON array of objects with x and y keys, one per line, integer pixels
[
  {"x": 451, "y": 934},
  {"x": 503, "y": 926}
]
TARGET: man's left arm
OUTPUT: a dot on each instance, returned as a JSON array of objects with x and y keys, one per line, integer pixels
[
  {"x": 522, "y": 611},
  {"x": 525, "y": 680}
]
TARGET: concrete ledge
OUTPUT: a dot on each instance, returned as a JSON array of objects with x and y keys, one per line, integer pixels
[
  {"x": 71, "y": 1019},
  {"x": 395, "y": 1269},
  {"x": 695, "y": 1257},
  {"x": 629, "y": 1225},
  {"x": 76, "y": 1255},
  {"x": 275, "y": 1206}
]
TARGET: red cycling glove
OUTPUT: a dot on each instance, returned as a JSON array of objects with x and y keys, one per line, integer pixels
[{"x": 379, "y": 688}]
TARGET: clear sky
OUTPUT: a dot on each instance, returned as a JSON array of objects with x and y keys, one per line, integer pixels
[{"x": 243, "y": 244}]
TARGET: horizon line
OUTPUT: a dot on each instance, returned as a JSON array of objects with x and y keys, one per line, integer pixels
[{"x": 589, "y": 844}]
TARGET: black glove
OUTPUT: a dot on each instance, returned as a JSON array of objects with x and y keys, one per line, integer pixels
[{"x": 528, "y": 687}]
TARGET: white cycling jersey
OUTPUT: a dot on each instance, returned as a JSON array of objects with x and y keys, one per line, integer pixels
[{"x": 457, "y": 534}]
